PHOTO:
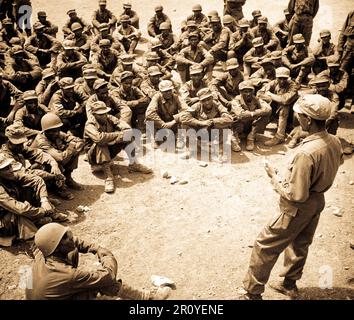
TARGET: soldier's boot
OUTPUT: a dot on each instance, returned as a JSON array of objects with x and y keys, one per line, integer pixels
[
  {"x": 286, "y": 287},
  {"x": 64, "y": 193},
  {"x": 235, "y": 143},
  {"x": 249, "y": 296},
  {"x": 250, "y": 141},
  {"x": 109, "y": 182},
  {"x": 274, "y": 141},
  {"x": 71, "y": 183},
  {"x": 157, "y": 293},
  {"x": 58, "y": 216}
]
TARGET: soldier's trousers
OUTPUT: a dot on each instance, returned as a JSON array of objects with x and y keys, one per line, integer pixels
[
  {"x": 290, "y": 231},
  {"x": 250, "y": 126},
  {"x": 283, "y": 112},
  {"x": 301, "y": 24}
]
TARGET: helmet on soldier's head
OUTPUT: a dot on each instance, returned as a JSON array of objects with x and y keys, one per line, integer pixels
[
  {"x": 166, "y": 85},
  {"x": 48, "y": 237},
  {"x": 197, "y": 7},
  {"x": 76, "y": 26},
  {"x": 50, "y": 121}
]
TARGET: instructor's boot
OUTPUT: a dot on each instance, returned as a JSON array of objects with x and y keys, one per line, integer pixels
[{"x": 286, "y": 287}]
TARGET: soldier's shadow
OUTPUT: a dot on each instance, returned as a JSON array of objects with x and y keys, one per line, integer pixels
[{"x": 316, "y": 293}]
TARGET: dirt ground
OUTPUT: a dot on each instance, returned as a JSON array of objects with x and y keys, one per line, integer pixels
[{"x": 200, "y": 234}]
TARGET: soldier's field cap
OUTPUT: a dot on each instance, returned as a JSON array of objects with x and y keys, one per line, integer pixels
[
  {"x": 204, "y": 94},
  {"x": 258, "y": 42},
  {"x": 197, "y": 7},
  {"x": 90, "y": 74},
  {"x": 243, "y": 23},
  {"x": 103, "y": 26},
  {"x": 71, "y": 11},
  {"x": 215, "y": 19},
  {"x": 104, "y": 42},
  {"x": 41, "y": 14},
  {"x": 69, "y": 45},
  {"x": 152, "y": 56},
  {"x": 276, "y": 55},
  {"x": 195, "y": 69},
  {"x": 99, "y": 83},
  {"x": 282, "y": 72},
  {"x": 127, "y": 5},
  {"x": 191, "y": 23},
  {"x": 127, "y": 58},
  {"x": 158, "y": 8},
  {"x": 232, "y": 64},
  {"x": 266, "y": 61},
  {"x": 99, "y": 107},
  {"x": 246, "y": 85},
  {"x": 320, "y": 78},
  {"x": 154, "y": 71},
  {"x": 325, "y": 33},
  {"x": 126, "y": 75},
  {"x": 298, "y": 38},
  {"x": 165, "y": 26},
  {"x": 166, "y": 85},
  {"x": 5, "y": 161},
  {"x": 16, "y": 50},
  {"x": 76, "y": 26},
  {"x": 15, "y": 134},
  {"x": 37, "y": 26},
  {"x": 314, "y": 105},
  {"x": 66, "y": 83},
  {"x": 7, "y": 21},
  {"x": 256, "y": 13},
  {"x": 228, "y": 19},
  {"x": 29, "y": 95},
  {"x": 262, "y": 19},
  {"x": 124, "y": 18}
]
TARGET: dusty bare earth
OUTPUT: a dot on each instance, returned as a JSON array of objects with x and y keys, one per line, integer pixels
[{"x": 200, "y": 234}]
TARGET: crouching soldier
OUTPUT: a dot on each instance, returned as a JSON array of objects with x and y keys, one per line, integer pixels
[
  {"x": 57, "y": 275},
  {"x": 206, "y": 114},
  {"x": 63, "y": 147},
  {"x": 282, "y": 93},
  {"x": 105, "y": 135},
  {"x": 251, "y": 116}
]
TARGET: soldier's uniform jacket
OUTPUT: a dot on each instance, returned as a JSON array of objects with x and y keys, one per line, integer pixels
[
  {"x": 260, "y": 76},
  {"x": 31, "y": 123},
  {"x": 133, "y": 17},
  {"x": 83, "y": 42},
  {"x": 239, "y": 43},
  {"x": 304, "y": 7},
  {"x": 252, "y": 56},
  {"x": 111, "y": 132},
  {"x": 219, "y": 40},
  {"x": 189, "y": 91},
  {"x": 32, "y": 155},
  {"x": 58, "y": 149},
  {"x": 346, "y": 36},
  {"x": 281, "y": 25},
  {"x": 323, "y": 51},
  {"x": 201, "y": 20},
  {"x": 132, "y": 98},
  {"x": 115, "y": 44},
  {"x": 70, "y": 66},
  {"x": 64, "y": 107},
  {"x": 67, "y": 27},
  {"x": 196, "y": 113},
  {"x": 5, "y": 37},
  {"x": 129, "y": 32},
  {"x": 154, "y": 24},
  {"x": 169, "y": 43},
  {"x": 339, "y": 82},
  {"x": 54, "y": 278},
  {"x": 148, "y": 88},
  {"x": 82, "y": 87},
  {"x": 291, "y": 55},
  {"x": 201, "y": 56},
  {"x": 106, "y": 63},
  {"x": 45, "y": 90},
  {"x": 138, "y": 71},
  {"x": 161, "y": 111},
  {"x": 7, "y": 90},
  {"x": 268, "y": 36},
  {"x": 110, "y": 100},
  {"x": 50, "y": 28},
  {"x": 228, "y": 82},
  {"x": 46, "y": 41},
  {"x": 234, "y": 8},
  {"x": 240, "y": 109},
  {"x": 105, "y": 16},
  {"x": 285, "y": 95}
]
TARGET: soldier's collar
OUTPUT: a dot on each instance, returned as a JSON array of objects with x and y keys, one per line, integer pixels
[{"x": 315, "y": 136}]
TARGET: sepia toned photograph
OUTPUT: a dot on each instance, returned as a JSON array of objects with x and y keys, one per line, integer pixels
[{"x": 177, "y": 150}]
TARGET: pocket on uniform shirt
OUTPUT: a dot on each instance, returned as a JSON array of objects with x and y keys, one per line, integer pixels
[{"x": 283, "y": 218}]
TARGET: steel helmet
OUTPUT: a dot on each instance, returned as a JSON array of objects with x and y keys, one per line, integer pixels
[
  {"x": 48, "y": 237},
  {"x": 50, "y": 121}
]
